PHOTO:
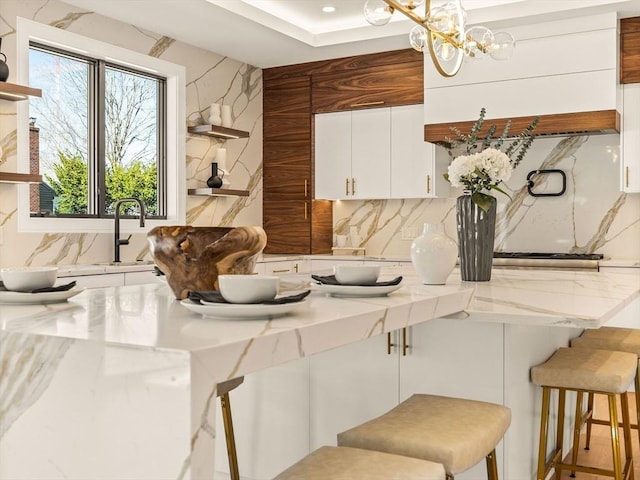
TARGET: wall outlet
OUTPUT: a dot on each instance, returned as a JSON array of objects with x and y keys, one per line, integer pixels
[{"x": 409, "y": 233}]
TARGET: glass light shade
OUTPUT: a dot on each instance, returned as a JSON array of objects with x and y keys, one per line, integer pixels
[
  {"x": 478, "y": 41},
  {"x": 444, "y": 50},
  {"x": 418, "y": 38},
  {"x": 503, "y": 46},
  {"x": 377, "y": 12}
]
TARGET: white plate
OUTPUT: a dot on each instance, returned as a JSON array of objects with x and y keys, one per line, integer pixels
[
  {"x": 356, "y": 290},
  {"x": 26, "y": 298},
  {"x": 257, "y": 311}
]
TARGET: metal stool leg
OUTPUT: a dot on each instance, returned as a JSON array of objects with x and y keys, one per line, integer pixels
[
  {"x": 544, "y": 431},
  {"x": 615, "y": 439},
  {"x": 492, "y": 466},
  {"x": 576, "y": 431},
  {"x": 229, "y": 436},
  {"x": 626, "y": 430},
  {"x": 562, "y": 397}
]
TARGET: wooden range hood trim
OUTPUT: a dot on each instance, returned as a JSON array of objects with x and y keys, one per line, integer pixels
[{"x": 561, "y": 124}]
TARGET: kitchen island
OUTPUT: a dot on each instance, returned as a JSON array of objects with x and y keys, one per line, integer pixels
[{"x": 120, "y": 382}]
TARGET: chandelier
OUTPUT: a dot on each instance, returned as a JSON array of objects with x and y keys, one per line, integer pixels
[{"x": 443, "y": 31}]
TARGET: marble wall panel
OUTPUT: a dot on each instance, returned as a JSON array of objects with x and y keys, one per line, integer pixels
[
  {"x": 592, "y": 216},
  {"x": 210, "y": 78}
]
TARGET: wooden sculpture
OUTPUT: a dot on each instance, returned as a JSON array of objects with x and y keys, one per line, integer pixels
[{"x": 192, "y": 257}]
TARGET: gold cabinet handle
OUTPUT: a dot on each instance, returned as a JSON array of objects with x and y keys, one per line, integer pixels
[
  {"x": 626, "y": 176},
  {"x": 389, "y": 344},
  {"x": 367, "y": 104},
  {"x": 428, "y": 183},
  {"x": 306, "y": 210},
  {"x": 346, "y": 186},
  {"x": 306, "y": 183},
  {"x": 353, "y": 186},
  {"x": 295, "y": 267},
  {"x": 285, "y": 270},
  {"x": 405, "y": 346}
]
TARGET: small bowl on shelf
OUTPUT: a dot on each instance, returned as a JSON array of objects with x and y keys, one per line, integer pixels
[
  {"x": 357, "y": 274},
  {"x": 248, "y": 288},
  {"x": 26, "y": 279}
]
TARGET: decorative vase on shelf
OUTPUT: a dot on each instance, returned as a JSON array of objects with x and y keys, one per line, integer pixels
[
  {"x": 476, "y": 233},
  {"x": 433, "y": 254},
  {"x": 4, "y": 68},
  {"x": 214, "y": 114},
  {"x": 226, "y": 116},
  {"x": 214, "y": 181}
]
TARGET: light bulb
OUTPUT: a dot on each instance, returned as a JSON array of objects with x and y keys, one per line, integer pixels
[
  {"x": 418, "y": 38},
  {"x": 412, "y": 4},
  {"x": 444, "y": 50},
  {"x": 503, "y": 46},
  {"x": 377, "y": 12},
  {"x": 477, "y": 42},
  {"x": 438, "y": 20}
]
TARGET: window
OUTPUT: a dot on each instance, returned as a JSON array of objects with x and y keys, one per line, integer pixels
[{"x": 109, "y": 125}]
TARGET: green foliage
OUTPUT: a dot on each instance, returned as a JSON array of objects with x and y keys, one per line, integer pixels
[
  {"x": 471, "y": 143},
  {"x": 71, "y": 185}
]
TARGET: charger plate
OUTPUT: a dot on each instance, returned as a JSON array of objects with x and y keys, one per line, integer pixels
[
  {"x": 27, "y": 298},
  {"x": 257, "y": 311},
  {"x": 356, "y": 290}
]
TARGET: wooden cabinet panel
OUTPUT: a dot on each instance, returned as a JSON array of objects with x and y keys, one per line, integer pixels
[
  {"x": 386, "y": 85},
  {"x": 287, "y": 95},
  {"x": 630, "y": 50}
]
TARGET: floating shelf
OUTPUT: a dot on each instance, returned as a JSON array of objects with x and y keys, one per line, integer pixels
[
  {"x": 7, "y": 177},
  {"x": 218, "y": 192},
  {"x": 217, "y": 131},
  {"x": 15, "y": 93}
]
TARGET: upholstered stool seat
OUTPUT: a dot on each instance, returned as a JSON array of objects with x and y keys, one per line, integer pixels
[
  {"x": 610, "y": 338},
  {"x": 585, "y": 371},
  {"x": 455, "y": 432},
  {"x": 344, "y": 463}
]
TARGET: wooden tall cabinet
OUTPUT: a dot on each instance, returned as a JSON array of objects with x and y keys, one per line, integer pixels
[
  {"x": 293, "y": 221},
  {"x": 630, "y": 50}
]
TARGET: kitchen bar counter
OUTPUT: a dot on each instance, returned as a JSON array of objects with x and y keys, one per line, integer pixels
[{"x": 119, "y": 382}]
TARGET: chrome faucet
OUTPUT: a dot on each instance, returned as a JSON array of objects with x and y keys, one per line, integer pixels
[{"x": 117, "y": 240}]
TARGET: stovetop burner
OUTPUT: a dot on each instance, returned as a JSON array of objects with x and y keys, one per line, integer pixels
[{"x": 549, "y": 256}]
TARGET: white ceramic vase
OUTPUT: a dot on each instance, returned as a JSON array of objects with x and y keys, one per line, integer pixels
[
  {"x": 214, "y": 114},
  {"x": 227, "y": 121},
  {"x": 433, "y": 254}
]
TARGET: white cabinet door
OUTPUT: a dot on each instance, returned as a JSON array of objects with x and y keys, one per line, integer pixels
[
  {"x": 333, "y": 155},
  {"x": 416, "y": 166},
  {"x": 350, "y": 385},
  {"x": 630, "y": 175},
  {"x": 370, "y": 153}
]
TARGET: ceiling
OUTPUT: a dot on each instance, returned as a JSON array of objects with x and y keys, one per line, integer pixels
[{"x": 268, "y": 33}]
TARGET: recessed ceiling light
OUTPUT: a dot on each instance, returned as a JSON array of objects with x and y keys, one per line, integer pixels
[{"x": 328, "y": 9}]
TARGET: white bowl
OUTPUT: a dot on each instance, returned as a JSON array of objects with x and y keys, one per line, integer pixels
[
  {"x": 357, "y": 274},
  {"x": 25, "y": 279},
  {"x": 248, "y": 288}
]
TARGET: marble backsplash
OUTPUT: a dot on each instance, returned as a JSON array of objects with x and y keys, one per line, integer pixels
[
  {"x": 210, "y": 78},
  {"x": 592, "y": 216}
]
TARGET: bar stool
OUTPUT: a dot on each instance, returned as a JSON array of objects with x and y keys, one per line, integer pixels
[
  {"x": 344, "y": 463},
  {"x": 583, "y": 370},
  {"x": 455, "y": 432},
  {"x": 610, "y": 338},
  {"x": 223, "y": 392}
]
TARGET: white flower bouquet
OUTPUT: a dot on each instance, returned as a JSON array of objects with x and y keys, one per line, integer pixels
[{"x": 484, "y": 170}]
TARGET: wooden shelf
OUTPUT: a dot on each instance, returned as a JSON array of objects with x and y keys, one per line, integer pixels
[
  {"x": 15, "y": 93},
  {"x": 218, "y": 192},
  {"x": 217, "y": 131},
  {"x": 7, "y": 177}
]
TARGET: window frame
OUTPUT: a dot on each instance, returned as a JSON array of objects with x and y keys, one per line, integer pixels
[{"x": 27, "y": 31}]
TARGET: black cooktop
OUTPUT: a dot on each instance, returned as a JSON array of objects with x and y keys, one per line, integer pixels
[{"x": 552, "y": 256}]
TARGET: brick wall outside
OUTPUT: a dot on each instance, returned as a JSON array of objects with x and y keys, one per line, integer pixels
[{"x": 34, "y": 167}]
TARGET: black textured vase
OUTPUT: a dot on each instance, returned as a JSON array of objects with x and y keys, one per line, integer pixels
[
  {"x": 4, "y": 68},
  {"x": 476, "y": 233},
  {"x": 214, "y": 181}
]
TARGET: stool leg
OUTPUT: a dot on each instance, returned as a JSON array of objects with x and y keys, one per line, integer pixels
[
  {"x": 492, "y": 466},
  {"x": 637, "y": 424},
  {"x": 577, "y": 425},
  {"x": 589, "y": 420},
  {"x": 615, "y": 439},
  {"x": 544, "y": 430},
  {"x": 626, "y": 429},
  {"x": 229, "y": 436},
  {"x": 562, "y": 396}
]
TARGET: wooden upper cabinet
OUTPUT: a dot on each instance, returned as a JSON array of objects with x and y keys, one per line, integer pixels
[
  {"x": 370, "y": 87},
  {"x": 630, "y": 50}
]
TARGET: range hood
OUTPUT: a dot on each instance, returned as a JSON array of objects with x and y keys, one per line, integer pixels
[{"x": 561, "y": 124}]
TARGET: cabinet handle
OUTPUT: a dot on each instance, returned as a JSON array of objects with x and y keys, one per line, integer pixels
[
  {"x": 626, "y": 177},
  {"x": 353, "y": 186},
  {"x": 305, "y": 187},
  {"x": 367, "y": 104},
  {"x": 285, "y": 270},
  {"x": 346, "y": 186},
  {"x": 428, "y": 183},
  {"x": 389, "y": 344},
  {"x": 295, "y": 268},
  {"x": 306, "y": 212},
  {"x": 405, "y": 346}
]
